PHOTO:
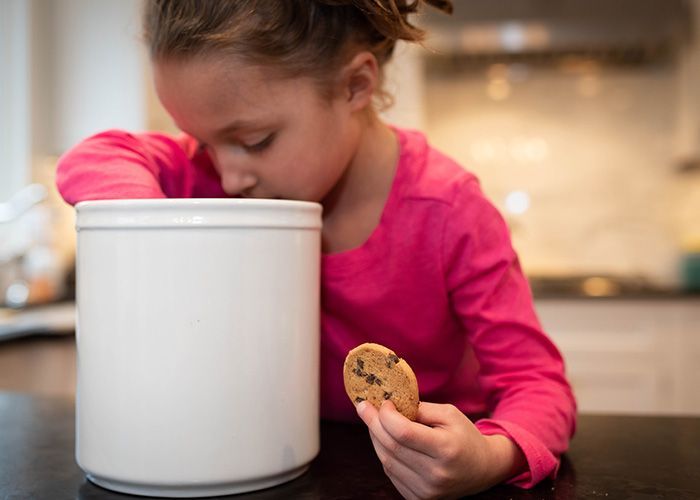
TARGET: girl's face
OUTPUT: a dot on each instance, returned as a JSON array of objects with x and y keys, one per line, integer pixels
[{"x": 268, "y": 137}]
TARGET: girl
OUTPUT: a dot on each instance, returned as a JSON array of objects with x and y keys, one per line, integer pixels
[{"x": 276, "y": 101}]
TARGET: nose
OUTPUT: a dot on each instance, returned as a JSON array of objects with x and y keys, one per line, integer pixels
[
  {"x": 235, "y": 183},
  {"x": 235, "y": 179}
]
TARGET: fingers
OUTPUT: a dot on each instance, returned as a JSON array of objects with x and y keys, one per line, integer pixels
[
  {"x": 399, "y": 474},
  {"x": 437, "y": 415},
  {"x": 411, "y": 452},
  {"x": 371, "y": 416},
  {"x": 398, "y": 435},
  {"x": 413, "y": 435}
]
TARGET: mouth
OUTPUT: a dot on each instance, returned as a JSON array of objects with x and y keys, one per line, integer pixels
[{"x": 259, "y": 196}]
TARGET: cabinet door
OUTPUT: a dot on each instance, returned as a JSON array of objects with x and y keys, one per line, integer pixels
[
  {"x": 688, "y": 352},
  {"x": 617, "y": 353}
]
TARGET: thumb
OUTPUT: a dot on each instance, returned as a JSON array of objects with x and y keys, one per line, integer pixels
[
  {"x": 437, "y": 415},
  {"x": 366, "y": 412}
]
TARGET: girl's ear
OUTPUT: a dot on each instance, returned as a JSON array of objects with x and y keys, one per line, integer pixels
[{"x": 359, "y": 80}]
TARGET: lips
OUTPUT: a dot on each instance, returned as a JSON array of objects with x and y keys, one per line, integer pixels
[{"x": 258, "y": 195}]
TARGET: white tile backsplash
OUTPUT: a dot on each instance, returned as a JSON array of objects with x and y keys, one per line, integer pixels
[{"x": 594, "y": 148}]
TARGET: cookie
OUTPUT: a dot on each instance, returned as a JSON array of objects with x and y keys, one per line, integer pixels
[{"x": 374, "y": 373}]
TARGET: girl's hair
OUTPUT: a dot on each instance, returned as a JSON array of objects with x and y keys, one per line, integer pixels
[{"x": 297, "y": 37}]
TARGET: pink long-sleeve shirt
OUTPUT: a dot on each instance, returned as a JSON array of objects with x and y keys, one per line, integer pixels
[{"x": 437, "y": 281}]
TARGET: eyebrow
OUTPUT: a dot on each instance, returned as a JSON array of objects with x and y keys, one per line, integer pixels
[{"x": 238, "y": 124}]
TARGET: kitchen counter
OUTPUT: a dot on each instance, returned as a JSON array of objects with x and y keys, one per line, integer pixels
[
  {"x": 648, "y": 296},
  {"x": 610, "y": 457},
  {"x": 591, "y": 287}
]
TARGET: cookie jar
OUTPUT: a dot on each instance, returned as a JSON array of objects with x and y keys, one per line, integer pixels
[{"x": 198, "y": 344}]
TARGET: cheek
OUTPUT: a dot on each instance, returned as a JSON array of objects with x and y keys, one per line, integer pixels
[
  {"x": 309, "y": 176},
  {"x": 330, "y": 168},
  {"x": 313, "y": 158}
]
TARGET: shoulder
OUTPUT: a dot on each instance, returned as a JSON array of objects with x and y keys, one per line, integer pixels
[
  {"x": 432, "y": 176},
  {"x": 441, "y": 189}
]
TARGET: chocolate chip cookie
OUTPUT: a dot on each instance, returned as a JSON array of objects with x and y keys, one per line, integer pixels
[{"x": 374, "y": 373}]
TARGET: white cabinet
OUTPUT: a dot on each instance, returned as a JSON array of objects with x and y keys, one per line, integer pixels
[{"x": 628, "y": 355}]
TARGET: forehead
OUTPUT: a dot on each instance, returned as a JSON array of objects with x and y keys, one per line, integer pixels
[{"x": 204, "y": 94}]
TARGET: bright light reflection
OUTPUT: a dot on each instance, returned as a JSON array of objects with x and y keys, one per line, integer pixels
[
  {"x": 513, "y": 37},
  {"x": 517, "y": 202}
]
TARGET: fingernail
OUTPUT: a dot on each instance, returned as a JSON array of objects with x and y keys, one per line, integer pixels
[{"x": 361, "y": 410}]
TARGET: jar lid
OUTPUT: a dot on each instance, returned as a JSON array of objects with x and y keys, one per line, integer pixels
[{"x": 198, "y": 213}]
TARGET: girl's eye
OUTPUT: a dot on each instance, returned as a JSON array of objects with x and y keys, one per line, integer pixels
[{"x": 260, "y": 146}]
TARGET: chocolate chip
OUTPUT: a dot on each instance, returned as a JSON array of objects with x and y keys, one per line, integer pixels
[
  {"x": 371, "y": 378},
  {"x": 387, "y": 395},
  {"x": 360, "y": 364},
  {"x": 358, "y": 399},
  {"x": 359, "y": 372},
  {"x": 378, "y": 381},
  {"x": 391, "y": 360}
]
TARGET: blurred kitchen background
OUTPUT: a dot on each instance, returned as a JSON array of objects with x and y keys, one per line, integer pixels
[{"x": 581, "y": 118}]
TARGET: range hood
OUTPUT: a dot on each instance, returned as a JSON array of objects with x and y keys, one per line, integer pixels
[{"x": 522, "y": 27}]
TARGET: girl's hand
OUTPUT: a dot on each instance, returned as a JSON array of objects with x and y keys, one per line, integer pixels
[{"x": 442, "y": 454}]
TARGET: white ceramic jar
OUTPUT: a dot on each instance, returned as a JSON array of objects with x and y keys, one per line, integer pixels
[{"x": 198, "y": 344}]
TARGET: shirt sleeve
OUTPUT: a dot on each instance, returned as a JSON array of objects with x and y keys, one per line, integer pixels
[
  {"x": 120, "y": 165},
  {"x": 520, "y": 370}
]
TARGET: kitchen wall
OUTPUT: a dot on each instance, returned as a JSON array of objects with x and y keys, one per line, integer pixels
[
  {"x": 586, "y": 154},
  {"x": 580, "y": 156},
  {"x": 70, "y": 68},
  {"x": 88, "y": 66},
  {"x": 87, "y": 75}
]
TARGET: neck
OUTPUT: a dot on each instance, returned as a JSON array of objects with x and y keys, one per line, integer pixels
[{"x": 370, "y": 172}]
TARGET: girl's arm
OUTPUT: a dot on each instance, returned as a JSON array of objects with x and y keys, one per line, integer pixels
[
  {"x": 116, "y": 164},
  {"x": 521, "y": 371}
]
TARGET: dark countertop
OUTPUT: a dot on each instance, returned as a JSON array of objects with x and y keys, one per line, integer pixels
[
  {"x": 611, "y": 457},
  {"x": 605, "y": 287},
  {"x": 660, "y": 296}
]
